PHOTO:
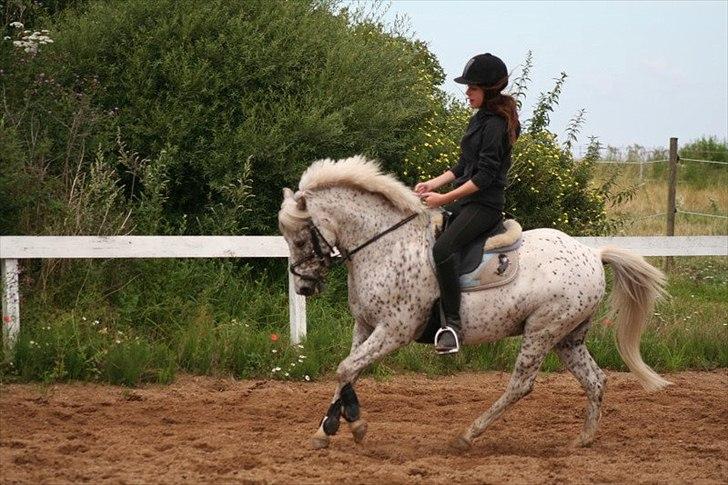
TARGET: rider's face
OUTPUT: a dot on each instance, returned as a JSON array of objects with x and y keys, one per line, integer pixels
[{"x": 475, "y": 95}]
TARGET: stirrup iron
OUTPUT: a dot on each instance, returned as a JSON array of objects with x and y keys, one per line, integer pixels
[{"x": 455, "y": 336}]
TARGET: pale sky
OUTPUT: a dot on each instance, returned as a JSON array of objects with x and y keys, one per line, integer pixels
[{"x": 643, "y": 70}]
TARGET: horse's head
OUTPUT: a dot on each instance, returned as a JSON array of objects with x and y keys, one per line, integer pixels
[{"x": 310, "y": 246}]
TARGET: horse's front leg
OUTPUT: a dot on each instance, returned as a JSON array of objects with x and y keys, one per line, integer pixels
[
  {"x": 330, "y": 422},
  {"x": 380, "y": 343}
]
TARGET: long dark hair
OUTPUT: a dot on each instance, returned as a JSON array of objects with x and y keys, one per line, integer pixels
[{"x": 504, "y": 105}]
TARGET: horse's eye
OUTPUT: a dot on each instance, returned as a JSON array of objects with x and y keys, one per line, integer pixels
[{"x": 299, "y": 244}]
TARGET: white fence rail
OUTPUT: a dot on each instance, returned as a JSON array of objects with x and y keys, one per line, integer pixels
[{"x": 13, "y": 248}]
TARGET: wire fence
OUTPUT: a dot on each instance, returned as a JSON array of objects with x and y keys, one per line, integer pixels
[
  {"x": 701, "y": 161},
  {"x": 645, "y": 157},
  {"x": 716, "y": 216}
]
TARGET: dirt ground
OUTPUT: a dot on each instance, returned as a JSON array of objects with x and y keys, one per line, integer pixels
[{"x": 203, "y": 429}]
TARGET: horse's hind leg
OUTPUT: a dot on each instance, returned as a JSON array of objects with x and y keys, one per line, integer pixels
[
  {"x": 534, "y": 348},
  {"x": 575, "y": 356}
]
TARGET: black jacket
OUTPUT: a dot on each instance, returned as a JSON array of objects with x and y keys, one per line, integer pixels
[{"x": 485, "y": 159}]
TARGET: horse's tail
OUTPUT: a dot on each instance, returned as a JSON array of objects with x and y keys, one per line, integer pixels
[{"x": 637, "y": 285}]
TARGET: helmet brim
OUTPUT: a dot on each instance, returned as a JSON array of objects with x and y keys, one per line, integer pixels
[{"x": 463, "y": 80}]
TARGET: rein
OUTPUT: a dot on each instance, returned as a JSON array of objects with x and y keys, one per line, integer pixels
[{"x": 343, "y": 255}]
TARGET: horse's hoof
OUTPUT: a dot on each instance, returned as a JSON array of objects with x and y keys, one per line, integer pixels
[
  {"x": 318, "y": 442},
  {"x": 582, "y": 441},
  {"x": 358, "y": 430},
  {"x": 460, "y": 444}
]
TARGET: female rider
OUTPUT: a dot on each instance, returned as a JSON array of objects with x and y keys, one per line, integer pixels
[{"x": 477, "y": 201}]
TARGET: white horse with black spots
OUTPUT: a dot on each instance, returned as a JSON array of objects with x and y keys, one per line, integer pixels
[{"x": 392, "y": 287}]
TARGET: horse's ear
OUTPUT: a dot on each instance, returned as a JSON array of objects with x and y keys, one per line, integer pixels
[
  {"x": 287, "y": 193},
  {"x": 300, "y": 201}
]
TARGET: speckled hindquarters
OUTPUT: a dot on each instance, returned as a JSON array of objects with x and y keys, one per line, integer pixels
[{"x": 560, "y": 280}]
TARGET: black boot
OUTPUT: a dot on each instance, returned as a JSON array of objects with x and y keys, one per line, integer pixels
[{"x": 448, "y": 338}]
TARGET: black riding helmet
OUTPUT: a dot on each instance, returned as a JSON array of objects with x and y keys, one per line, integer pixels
[{"x": 485, "y": 70}]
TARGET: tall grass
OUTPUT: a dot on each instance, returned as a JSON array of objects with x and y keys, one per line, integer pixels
[
  {"x": 701, "y": 188},
  {"x": 224, "y": 319}
]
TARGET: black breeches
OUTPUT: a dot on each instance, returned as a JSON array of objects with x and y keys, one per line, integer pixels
[{"x": 470, "y": 221}]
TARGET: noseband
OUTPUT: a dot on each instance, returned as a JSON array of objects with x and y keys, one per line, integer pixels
[
  {"x": 343, "y": 255},
  {"x": 324, "y": 258}
]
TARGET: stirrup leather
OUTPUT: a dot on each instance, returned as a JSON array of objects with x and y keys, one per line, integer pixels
[{"x": 455, "y": 336}]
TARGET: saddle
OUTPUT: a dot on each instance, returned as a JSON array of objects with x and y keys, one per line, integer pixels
[{"x": 488, "y": 262}]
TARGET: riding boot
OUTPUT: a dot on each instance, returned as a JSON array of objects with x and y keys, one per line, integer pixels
[{"x": 448, "y": 338}]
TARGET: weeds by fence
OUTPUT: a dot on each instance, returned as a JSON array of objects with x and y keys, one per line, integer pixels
[{"x": 693, "y": 201}]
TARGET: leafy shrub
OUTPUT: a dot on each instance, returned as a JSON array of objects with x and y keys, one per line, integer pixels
[{"x": 242, "y": 96}]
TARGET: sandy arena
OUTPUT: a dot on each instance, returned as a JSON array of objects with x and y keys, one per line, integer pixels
[{"x": 203, "y": 430}]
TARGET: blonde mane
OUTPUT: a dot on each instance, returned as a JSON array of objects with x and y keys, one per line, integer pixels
[
  {"x": 360, "y": 173},
  {"x": 357, "y": 172}
]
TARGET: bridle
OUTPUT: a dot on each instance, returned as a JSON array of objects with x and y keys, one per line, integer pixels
[{"x": 326, "y": 258}]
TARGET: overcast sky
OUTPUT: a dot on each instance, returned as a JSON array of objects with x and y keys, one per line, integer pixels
[{"x": 644, "y": 71}]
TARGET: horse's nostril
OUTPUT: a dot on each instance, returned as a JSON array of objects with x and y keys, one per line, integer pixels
[{"x": 306, "y": 291}]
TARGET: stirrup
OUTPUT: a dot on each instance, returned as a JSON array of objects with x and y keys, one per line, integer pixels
[{"x": 455, "y": 336}]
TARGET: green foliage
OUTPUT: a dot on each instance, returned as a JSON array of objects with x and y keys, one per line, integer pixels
[
  {"x": 704, "y": 148},
  {"x": 243, "y": 96},
  {"x": 228, "y": 317},
  {"x": 519, "y": 87},
  {"x": 548, "y": 188},
  {"x": 540, "y": 118},
  {"x": 66, "y": 347}
]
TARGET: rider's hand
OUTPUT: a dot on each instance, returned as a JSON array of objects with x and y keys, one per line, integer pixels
[
  {"x": 433, "y": 199},
  {"x": 424, "y": 187}
]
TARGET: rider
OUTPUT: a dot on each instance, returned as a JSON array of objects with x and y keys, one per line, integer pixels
[{"x": 477, "y": 201}]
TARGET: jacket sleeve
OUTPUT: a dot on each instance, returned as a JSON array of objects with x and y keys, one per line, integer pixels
[
  {"x": 491, "y": 152},
  {"x": 459, "y": 168}
]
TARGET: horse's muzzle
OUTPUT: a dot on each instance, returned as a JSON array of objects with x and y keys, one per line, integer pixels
[{"x": 310, "y": 288}]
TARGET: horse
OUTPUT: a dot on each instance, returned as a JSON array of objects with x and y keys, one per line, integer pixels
[{"x": 381, "y": 230}]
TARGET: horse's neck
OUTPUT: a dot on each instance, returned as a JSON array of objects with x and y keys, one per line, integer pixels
[{"x": 358, "y": 216}]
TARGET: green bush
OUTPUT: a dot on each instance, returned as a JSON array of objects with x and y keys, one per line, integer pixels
[{"x": 243, "y": 95}]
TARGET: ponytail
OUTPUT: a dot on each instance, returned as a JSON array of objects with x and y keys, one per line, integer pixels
[{"x": 504, "y": 105}]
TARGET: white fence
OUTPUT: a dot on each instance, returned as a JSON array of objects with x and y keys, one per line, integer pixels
[{"x": 13, "y": 248}]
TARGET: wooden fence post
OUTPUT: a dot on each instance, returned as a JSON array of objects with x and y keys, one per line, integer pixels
[
  {"x": 671, "y": 188},
  {"x": 11, "y": 305},
  {"x": 297, "y": 312}
]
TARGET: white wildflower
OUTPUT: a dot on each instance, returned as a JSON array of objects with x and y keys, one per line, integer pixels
[
  {"x": 300, "y": 360},
  {"x": 83, "y": 318},
  {"x": 307, "y": 377},
  {"x": 17, "y": 25},
  {"x": 274, "y": 351},
  {"x": 286, "y": 374},
  {"x": 7, "y": 37},
  {"x": 293, "y": 364},
  {"x": 117, "y": 341}
]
